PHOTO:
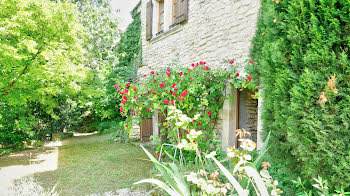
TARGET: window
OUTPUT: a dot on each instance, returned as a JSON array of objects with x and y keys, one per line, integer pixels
[
  {"x": 170, "y": 12},
  {"x": 161, "y": 16}
]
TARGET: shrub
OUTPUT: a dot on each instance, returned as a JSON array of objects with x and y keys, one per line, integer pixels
[
  {"x": 301, "y": 49},
  {"x": 108, "y": 127},
  {"x": 209, "y": 176},
  {"x": 38, "y": 143},
  {"x": 195, "y": 90},
  {"x": 121, "y": 136},
  {"x": 66, "y": 135}
]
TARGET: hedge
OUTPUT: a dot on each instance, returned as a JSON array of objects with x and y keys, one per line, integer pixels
[{"x": 302, "y": 52}]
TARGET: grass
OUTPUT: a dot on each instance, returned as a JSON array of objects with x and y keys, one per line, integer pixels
[{"x": 95, "y": 165}]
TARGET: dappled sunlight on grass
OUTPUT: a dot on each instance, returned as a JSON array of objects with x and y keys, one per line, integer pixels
[
  {"x": 20, "y": 165},
  {"x": 92, "y": 164}
]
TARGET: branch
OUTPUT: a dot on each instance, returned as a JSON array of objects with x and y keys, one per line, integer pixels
[
  {"x": 4, "y": 91},
  {"x": 22, "y": 72}
]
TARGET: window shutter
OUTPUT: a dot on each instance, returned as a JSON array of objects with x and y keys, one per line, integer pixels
[
  {"x": 149, "y": 16},
  {"x": 182, "y": 11}
]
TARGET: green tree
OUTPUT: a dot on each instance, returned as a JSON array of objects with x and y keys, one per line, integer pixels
[
  {"x": 302, "y": 52},
  {"x": 41, "y": 60}
]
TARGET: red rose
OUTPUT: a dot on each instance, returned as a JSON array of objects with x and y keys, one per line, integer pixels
[
  {"x": 252, "y": 96},
  {"x": 148, "y": 110},
  {"x": 172, "y": 102},
  {"x": 135, "y": 89},
  {"x": 172, "y": 86},
  {"x": 124, "y": 97},
  {"x": 180, "y": 135},
  {"x": 116, "y": 86},
  {"x": 126, "y": 126},
  {"x": 174, "y": 94},
  {"x": 166, "y": 101},
  {"x": 121, "y": 109},
  {"x": 206, "y": 68},
  {"x": 143, "y": 118},
  {"x": 128, "y": 84},
  {"x": 152, "y": 72},
  {"x": 184, "y": 93},
  {"x": 121, "y": 92},
  {"x": 232, "y": 61},
  {"x": 199, "y": 124},
  {"x": 123, "y": 102},
  {"x": 168, "y": 74},
  {"x": 126, "y": 90},
  {"x": 187, "y": 131},
  {"x": 136, "y": 98},
  {"x": 145, "y": 75},
  {"x": 192, "y": 65},
  {"x": 176, "y": 89},
  {"x": 249, "y": 78},
  {"x": 179, "y": 98},
  {"x": 181, "y": 73},
  {"x": 251, "y": 62},
  {"x": 209, "y": 113},
  {"x": 170, "y": 137},
  {"x": 237, "y": 74},
  {"x": 162, "y": 85}
]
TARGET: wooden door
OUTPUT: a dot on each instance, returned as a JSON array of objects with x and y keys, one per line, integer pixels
[{"x": 146, "y": 129}]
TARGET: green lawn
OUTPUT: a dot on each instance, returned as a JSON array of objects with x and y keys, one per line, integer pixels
[{"x": 92, "y": 164}]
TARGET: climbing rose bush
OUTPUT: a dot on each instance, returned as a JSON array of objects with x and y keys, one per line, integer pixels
[
  {"x": 208, "y": 176},
  {"x": 195, "y": 89}
]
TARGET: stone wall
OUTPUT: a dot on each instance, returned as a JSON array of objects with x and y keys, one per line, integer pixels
[{"x": 216, "y": 30}]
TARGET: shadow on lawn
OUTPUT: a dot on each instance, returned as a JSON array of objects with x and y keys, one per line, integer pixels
[{"x": 93, "y": 164}]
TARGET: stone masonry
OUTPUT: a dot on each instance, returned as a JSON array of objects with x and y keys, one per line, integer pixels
[{"x": 216, "y": 30}]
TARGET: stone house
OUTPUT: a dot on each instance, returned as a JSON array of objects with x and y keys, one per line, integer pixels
[{"x": 187, "y": 31}]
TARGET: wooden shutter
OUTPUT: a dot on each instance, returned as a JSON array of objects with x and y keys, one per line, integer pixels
[
  {"x": 175, "y": 11},
  {"x": 181, "y": 11},
  {"x": 149, "y": 17}
]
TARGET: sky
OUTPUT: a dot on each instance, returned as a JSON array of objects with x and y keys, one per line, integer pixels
[{"x": 124, "y": 7}]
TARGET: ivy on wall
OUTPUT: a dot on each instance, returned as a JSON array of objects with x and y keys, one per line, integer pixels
[{"x": 130, "y": 46}]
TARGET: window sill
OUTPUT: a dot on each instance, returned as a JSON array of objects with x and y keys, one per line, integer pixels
[{"x": 163, "y": 34}]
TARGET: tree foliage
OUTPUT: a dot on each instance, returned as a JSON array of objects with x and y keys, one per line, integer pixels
[
  {"x": 41, "y": 60},
  {"x": 302, "y": 53},
  {"x": 53, "y": 58}
]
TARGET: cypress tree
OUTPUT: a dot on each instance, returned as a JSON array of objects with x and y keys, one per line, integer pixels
[{"x": 302, "y": 52}]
